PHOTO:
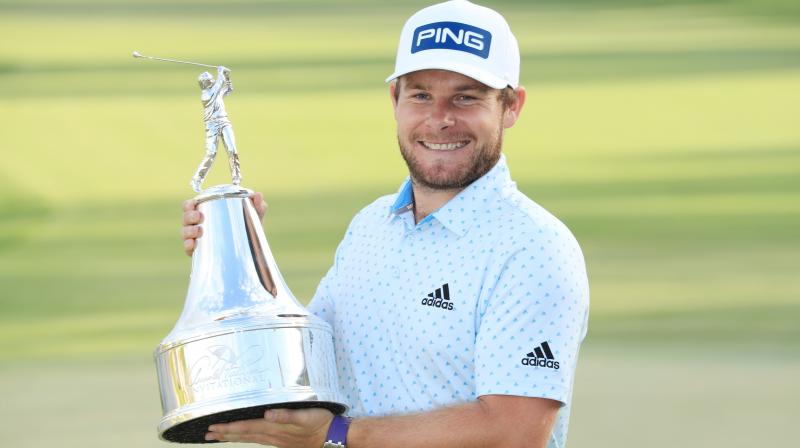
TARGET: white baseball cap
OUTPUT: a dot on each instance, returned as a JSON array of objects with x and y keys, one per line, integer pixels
[{"x": 462, "y": 37}]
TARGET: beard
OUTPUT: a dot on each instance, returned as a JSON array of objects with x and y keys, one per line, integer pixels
[{"x": 439, "y": 177}]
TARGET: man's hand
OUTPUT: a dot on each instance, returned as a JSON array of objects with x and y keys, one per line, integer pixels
[
  {"x": 284, "y": 428},
  {"x": 192, "y": 218},
  {"x": 492, "y": 421}
]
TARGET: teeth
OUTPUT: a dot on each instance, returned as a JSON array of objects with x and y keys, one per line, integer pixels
[{"x": 445, "y": 146}]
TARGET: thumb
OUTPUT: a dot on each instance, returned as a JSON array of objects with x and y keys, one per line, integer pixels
[{"x": 260, "y": 205}]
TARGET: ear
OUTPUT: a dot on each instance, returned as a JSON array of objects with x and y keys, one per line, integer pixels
[
  {"x": 511, "y": 114},
  {"x": 393, "y": 95},
  {"x": 393, "y": 92}
]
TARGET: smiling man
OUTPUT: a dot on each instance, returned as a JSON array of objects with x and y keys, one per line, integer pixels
[{"x": 458, "y": 304}]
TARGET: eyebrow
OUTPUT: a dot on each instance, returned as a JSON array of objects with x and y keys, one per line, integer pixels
[{"x": 483, "y": 88}]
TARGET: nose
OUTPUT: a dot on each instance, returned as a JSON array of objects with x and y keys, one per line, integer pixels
[{"x": 441, "y": 115}]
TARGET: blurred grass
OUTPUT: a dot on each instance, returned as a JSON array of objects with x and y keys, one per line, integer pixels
[{"x": 665, "y": 136}]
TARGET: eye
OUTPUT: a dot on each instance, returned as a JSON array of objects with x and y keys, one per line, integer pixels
[
  {"x": 465, "y": 99},
  {"x": 421, "y": 96}
]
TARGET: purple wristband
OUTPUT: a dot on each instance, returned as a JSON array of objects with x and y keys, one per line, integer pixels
[{"x": 337, "y": 432}]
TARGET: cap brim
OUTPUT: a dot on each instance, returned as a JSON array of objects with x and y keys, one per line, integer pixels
[{"x": 481, "y": 76}]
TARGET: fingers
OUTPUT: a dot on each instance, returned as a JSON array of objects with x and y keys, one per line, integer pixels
[
  {"x": 189, "y": 205},
  {"x": 190, "y": 235},
  {"x": 253, "y": 438},
  {"x": 259, "y": 204},
  {"x": 241, "y": 427},
  {"x": 257, "y": 430},
  {"x": 189, "y": 246},
  {"x": 191, "y": 232},
  {"x": 232, "y": 436},
  {"x": 192, "y": 218},
  {"x": 272, "y": 421},
  {"x": 279, "y": 427}
]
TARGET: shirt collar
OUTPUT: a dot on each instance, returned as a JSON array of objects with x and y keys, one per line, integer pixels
[
  {"x": 405, "y": 199},
  {"x": 461, "y": 212}
]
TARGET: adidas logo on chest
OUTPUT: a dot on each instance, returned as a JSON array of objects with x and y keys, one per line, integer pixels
[{"x": 440, "y": 298}]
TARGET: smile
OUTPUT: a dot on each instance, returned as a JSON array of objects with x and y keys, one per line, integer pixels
[{"x": 451, "y": 146}]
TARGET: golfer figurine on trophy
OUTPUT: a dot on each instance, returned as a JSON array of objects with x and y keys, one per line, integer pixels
[
  {"x": 217, "y": 125},
  {"x": 243, "y": 343},
  {"x": 216, "y": 118}
]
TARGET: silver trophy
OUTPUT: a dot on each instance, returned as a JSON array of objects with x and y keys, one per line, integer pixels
[{"x": 243, "y": 344}]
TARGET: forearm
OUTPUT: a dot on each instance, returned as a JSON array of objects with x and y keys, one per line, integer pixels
[{"x": 477, "y": 424}]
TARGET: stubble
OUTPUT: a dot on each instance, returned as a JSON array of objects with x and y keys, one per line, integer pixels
[{"x": 437, "y": 177}]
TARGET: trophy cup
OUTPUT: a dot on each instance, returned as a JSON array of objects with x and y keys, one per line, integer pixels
[{"x": 243, "y": 344}]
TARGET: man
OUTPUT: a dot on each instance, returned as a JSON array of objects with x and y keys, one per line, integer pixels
[
  {"x": 458, "y": 304},
  {"x": 217, "y": 125}
]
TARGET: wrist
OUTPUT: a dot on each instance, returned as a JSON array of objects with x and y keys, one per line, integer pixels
[{"x": 337, "y": 432}]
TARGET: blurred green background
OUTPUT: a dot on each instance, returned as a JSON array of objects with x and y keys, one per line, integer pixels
[{"x": 664, "y": 134}]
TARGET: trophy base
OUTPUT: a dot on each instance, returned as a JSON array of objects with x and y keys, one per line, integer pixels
[
  {"x": 194, "y": 431},
  {"x": 237, "y": 368}
]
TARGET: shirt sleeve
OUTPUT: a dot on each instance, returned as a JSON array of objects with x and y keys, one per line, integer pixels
[
  {"x": 322, "y": 304},
  {"x": 533, "y": 319}
]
